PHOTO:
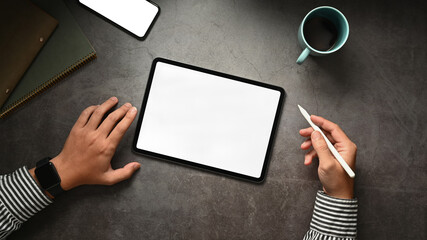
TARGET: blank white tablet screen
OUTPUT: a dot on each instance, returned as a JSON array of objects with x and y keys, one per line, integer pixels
[
  {"x": 134, "y": 15},
  {"x": 209, "y": 120}
]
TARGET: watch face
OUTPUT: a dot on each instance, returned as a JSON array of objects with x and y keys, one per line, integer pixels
[{"x": 47, "y": 175}]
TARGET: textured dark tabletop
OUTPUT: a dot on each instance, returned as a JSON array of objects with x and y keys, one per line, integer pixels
[{"x": 374, "y": 88}]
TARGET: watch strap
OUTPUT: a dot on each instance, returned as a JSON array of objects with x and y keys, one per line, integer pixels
[
  {"x": 55, "y": 190},
  {"x": 43, "y": 161}
]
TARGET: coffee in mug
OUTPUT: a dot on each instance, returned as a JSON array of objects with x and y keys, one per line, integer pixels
[
  {"x": 323, "y": 30},
  {"x": 320, "y": 33}
]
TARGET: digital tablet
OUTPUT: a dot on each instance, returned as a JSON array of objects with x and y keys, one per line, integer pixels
[{"x": 209, "y": 120}]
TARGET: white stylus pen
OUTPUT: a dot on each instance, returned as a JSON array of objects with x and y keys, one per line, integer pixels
[{"x": 330, "y": 146}]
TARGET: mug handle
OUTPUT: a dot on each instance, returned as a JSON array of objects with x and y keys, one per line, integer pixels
[{"x": 303, "y": 56}]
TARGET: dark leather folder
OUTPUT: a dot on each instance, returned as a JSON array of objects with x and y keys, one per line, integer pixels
[
  {"x": 67, "y": 50},
  {"x": 25, "y": 28}
]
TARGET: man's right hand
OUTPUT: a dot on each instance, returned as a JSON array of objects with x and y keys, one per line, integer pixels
[{"x": 335, "y": 180}]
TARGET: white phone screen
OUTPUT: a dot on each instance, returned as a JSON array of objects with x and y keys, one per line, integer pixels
[{"x": 136, "y": 16}]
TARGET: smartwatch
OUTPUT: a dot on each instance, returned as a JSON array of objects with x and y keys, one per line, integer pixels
[{"x": 48, "y": 177}]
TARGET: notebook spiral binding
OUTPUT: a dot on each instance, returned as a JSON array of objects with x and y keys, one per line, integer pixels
[{"x": 40, "y": 89}]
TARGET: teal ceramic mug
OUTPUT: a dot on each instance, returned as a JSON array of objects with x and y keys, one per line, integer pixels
[{"x": 334, "y": 17}]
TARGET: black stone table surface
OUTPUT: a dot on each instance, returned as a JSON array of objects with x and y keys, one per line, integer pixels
[{"x": 374, "y": 88}]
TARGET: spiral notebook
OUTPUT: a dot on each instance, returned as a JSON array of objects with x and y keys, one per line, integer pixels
[
  {"x": 66, "y": 50},
  {"x": 26, "y": 28}
]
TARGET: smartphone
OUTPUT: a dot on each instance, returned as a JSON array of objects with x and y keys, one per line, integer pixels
[{"x": 134, "y": 16}]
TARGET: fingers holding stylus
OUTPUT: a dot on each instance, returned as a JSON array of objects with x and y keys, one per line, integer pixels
[
  {"x": 306, "y": 132},
  {"x": 331, "y": 128}
]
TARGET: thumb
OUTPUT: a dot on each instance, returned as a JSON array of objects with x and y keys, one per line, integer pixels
[
  {"x": 123, "y": 173},
  {"x": 319, "y": 144}
]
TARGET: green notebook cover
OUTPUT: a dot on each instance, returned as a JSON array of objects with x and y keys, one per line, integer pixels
[{"x": 66, "y": 50}]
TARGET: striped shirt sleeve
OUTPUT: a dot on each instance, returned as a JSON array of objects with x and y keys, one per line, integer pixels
[
  {"x": 20, "y": 198},
  {"x": 333, "y": 219}
]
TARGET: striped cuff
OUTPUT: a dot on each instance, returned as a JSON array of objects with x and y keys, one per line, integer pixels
[
  {"x": 334, "y": 217},
  {"x": 21, "y": 195}
]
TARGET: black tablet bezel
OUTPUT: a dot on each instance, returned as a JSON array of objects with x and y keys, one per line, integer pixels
[
  {"x": 197, "y": 165},
  {"x": 122, "y": 28}
]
